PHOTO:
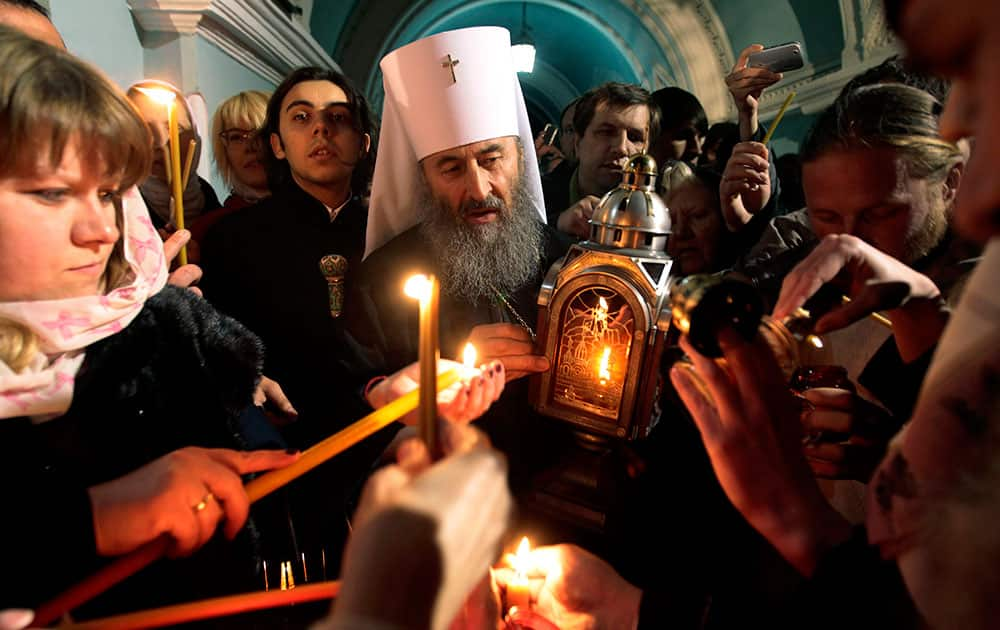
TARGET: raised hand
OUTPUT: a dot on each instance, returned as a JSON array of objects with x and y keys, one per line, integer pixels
[
  {"x": 746, "y": 85},
  {"x": 746, "y": 184}
]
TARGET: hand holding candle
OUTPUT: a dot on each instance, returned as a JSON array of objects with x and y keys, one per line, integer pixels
[
  {"x": 459, "y": 403},
  {"x": 568, "y": 588},
  {"x": 518, "y": 592},
  {"x": 172, "y": 152}
]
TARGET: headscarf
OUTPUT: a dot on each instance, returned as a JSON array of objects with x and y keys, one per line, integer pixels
[{"x": 64, "y": 328}]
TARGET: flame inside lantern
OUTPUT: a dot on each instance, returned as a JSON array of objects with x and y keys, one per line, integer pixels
[{"x": 602, "y": 369}]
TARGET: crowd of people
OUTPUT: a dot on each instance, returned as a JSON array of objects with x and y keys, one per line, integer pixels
[{"x": 137, "y": 395}]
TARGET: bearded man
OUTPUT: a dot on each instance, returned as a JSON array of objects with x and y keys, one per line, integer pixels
[{"x": 457, "y": 193}]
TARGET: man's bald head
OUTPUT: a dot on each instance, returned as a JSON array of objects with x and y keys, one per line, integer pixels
[{"x": 32, "y": 19}]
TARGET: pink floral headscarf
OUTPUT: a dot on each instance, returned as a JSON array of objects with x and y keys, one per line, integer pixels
[{"x": 44, "y": 389}]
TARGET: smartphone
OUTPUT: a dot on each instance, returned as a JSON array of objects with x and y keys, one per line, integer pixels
[
  {"x": 550, "y": 133},
  {"x": 778, "y": 58}
]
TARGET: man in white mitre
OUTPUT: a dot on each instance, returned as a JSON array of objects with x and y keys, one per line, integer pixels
[{"x": 457, "y": 193}]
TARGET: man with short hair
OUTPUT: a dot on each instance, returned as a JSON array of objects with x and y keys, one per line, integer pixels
[
  {"x": 284, "y": 266},
  {"x": 613, "y": 122},
  {"x": 32, "y": 19}
]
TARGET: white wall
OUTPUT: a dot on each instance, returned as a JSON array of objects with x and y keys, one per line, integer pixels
[{"x": 104, "y": 33}]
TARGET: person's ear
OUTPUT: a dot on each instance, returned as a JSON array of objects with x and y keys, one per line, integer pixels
[
  {"x": 276, "y": 147},
  {"x": 366, "y": 145},
  {"x": 952, "y": 182}
]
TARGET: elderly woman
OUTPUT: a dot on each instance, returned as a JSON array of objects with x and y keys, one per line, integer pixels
[
  {"x": 699, "y": 241},
  {"x": 118, "y": 396}
]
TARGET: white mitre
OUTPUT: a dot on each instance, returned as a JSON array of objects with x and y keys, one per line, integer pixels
[{"x": 441, "y": 92}]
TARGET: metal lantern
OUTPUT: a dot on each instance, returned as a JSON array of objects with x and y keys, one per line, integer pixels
[{"x": 604, "y": 313}]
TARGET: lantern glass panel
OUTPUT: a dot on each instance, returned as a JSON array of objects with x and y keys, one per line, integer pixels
[{"x": 593, "y": 351}]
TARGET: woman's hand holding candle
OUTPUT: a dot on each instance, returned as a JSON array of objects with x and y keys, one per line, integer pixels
[
  {"x": 461, "y": 403},
  {"x": 184, "y": 494}
]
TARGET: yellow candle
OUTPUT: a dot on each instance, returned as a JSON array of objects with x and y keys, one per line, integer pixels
[
  {"x": 176, "y": 181},
  {"x": 425, "y": 289},
  {"x": 188, "y": 161},
  {"x": 777, "y": 119},
  {"x": 271, "y": 481},
  {"x": 168, "y": 99}
]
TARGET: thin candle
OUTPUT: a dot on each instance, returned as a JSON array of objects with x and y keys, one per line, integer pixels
[
  {"x": 212, "y": 608},
  {"x": 188, "y": 161},
  {"x": 879, "y": 317},
  {"x": 425, "y": 289},
  {"x": 169, "y": 100},
  {"x": 777, "y": 119}
]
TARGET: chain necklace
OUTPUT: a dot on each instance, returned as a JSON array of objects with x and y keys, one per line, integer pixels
[{"x": 513, "y": 311}]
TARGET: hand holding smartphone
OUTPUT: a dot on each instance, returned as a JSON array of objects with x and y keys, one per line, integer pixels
[{"x": 780, "y": 58}]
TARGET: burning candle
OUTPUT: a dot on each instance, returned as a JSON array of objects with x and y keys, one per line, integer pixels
[
  {"x": 425, "y": 289},
  {"x": 168, "y": 98},
  {"x": 469, "y": 356},
  {"x": 519, "y": 590}
]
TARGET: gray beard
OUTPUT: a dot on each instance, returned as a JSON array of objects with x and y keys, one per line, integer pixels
[{"x": 475, "y": 261}]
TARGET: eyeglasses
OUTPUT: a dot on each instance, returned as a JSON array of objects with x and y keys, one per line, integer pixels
[{"x": 238, "y": 137}]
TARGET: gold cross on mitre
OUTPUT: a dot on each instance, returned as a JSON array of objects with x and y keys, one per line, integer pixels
[{"x": 450, "y": 64}]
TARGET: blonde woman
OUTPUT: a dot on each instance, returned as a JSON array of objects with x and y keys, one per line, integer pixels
[{"x": 239, "y": 156}]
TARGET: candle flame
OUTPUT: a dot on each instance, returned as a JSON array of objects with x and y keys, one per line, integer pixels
[
  {"x": 418, "y": 287},
  {"x": 602, "y": 370},
  {"x": 520, "y": 561},
  {"x": 469, "y": 356},
  {"x": 815, "y": 341},
  {"x": 161, "y": 96},
  {"x": 603, "y": 305}
]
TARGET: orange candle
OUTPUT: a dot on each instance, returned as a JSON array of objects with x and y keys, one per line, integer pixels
[{"x": 211, "y": 608}]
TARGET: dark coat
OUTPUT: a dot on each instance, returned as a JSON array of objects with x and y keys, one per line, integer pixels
[
  {"x": 179, "y": 375},
  {"x": 261, "y": 267}
]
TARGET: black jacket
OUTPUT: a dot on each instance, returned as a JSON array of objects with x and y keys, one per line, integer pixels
[{"x": 179, "y": 375}]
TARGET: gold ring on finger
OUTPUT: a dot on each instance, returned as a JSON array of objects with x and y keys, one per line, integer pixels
[{"x": 201, "y": 505}]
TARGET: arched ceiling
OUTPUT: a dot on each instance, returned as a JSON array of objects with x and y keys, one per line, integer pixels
[{"x": 580, "y": 44}]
